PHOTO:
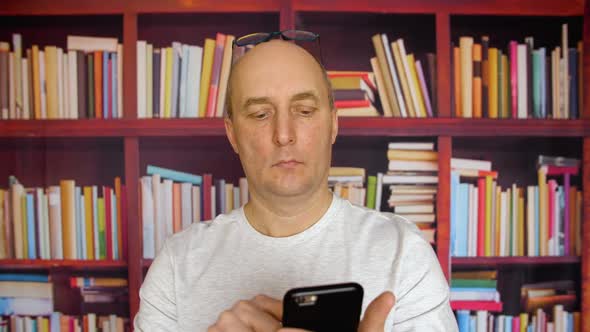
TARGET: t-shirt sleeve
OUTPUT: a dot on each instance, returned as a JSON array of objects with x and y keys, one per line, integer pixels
[
  {"x": 157, "y": 305},
  {"x": 421, "y": 291}
]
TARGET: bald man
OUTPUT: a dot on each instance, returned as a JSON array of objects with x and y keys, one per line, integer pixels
[{"x": 229, "y": 274}]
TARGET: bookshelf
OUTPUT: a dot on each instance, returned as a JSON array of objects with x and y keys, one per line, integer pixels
[{"x": 124, "y": 147}]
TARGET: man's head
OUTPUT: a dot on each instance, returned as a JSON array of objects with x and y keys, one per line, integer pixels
[{"x": 281, "y": 120}]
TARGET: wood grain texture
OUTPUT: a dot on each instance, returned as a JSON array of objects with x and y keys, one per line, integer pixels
[
  {"x": 134, "y": 270},
  {"x": 443, "y": 204},
  {"x": 287, "y": 15},
  {"x": 443, "y": 65},
  {"x": 129, "y": 66},
  {"x": 586, "y": 235}
]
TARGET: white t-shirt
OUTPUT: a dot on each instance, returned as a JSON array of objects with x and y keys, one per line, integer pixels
[{"x": 205, "y": 269}]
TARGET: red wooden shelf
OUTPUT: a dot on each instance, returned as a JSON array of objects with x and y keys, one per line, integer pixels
[
  {"x": 483, "y": 7},
  {"x": 77, "y": 265},
  {"x": 146, "y": 263},
  {"x": 519, "y": 260},
  {"x": 348, "y": 127}
]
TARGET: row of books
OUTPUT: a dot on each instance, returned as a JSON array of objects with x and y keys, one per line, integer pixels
[
  {"x": 184, "y": 81},
  {"x": 66, "y": 221},
  {"x": 475, "y": 290},
  {"x": 540, "y": 220},
  {"x": 406, "y": 89},
  {"x": 25, "y": 294},
  {"x": 58, "y": 322},
  {"x": 483, "y": 321},
  {"x": 82, "y": 81},
  {"x": 172, "y": 200},
  {"x": 519, "y": 82}
]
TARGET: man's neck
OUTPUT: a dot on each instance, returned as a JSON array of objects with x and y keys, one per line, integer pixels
[{"x": 286, "y": 217}]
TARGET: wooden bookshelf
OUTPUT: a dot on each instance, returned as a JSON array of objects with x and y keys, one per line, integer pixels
[{"x": 127, "y": 145}]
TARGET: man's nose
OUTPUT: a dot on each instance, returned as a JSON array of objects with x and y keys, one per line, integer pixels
[{"x": 284, "y": 129}]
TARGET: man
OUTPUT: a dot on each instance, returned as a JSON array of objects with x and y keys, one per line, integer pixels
[{"x": 230, "y": 274}]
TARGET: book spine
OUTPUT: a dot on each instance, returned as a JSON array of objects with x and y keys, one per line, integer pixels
[{"x": 485, "y": 42}]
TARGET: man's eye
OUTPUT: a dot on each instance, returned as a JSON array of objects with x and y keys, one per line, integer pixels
[
  {"x": 260, "y": 115},
  {"x": 305, "y": 110}
]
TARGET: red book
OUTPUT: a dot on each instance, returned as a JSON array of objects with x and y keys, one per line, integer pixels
[
  {"x": 351, "y": 103},
  {"x": 552, "y": 186},
  {"x": 98, "y": 85},
  {"x": 206, "y": 196},
  {"x": 481, "y": 216},
  {"x": 108, "y": 221},
  {"x": 215, "y": 73},
  {"x": 477, "y": 305},
  {"x": 561, "y": 170},
  {"x": 124, "y": 221}
]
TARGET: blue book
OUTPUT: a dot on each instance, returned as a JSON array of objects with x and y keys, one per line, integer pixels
[
  {"x": 463, "y": 320},
  {"x": 176, "y": 49},
  {"x": 54, "y": 321},
  {"x": 473, "y": 289},
  {"x": 508, "y": 324},
  {"x": 570, "y": 322},
  {"x": 538, "y": 62},
  {"x": 34, "y": 324},
  {"x": 78, "y": 222},
  {"x": 537, "y": 252},
  {"x": 115, "y": 223},
  {"x": 24, "y": 277},
  {"x": 472, "y": 324},
  {"x": 114, "y": 85},
  {"x": 561, "y": 234},
  {"x": 454, "y": 210},
  {"x": 31, "y": 234},
  {"x": 173, "y": 175},
  {"x": 183, "y": 82},
  {"x": 105, "y": 85},
  {"x": 463, "y": 219},
  {"x": 543, "y": 83},
  {"x": 573, "y": 82}
]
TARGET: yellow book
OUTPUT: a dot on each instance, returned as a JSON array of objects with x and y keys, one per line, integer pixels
[
  {"x": 168, "y": 83},
  {"x": 36, "y": 82},
  {"x": 51, "y": 82},
  {"x": 149, "y": 72},
  {"x": 89, "y": 215},
  {"x": 16, "y": 205},
  {"x": 68, "y": 217},
  {"x": 381, "y": 86},
  {"x": 488, "y": 215},
  {"x": 101, "y": 228},
  {"x": 493, "y": 84},
  {"x": 394, "y": 154},
  {"x": 206, "y": 70},
  {"x": 543, "y": 207},
  {"x": 403, "y": 79},
  {"x": 524, "y": 322},
  {"x": 416, "y": 86},
  {"x": 520, "y": 249},
  {"x": 466, "y": 55},
  {"x": 224, "y": 75},
  {"x": 389, "y": 95},
  {"x": 23, "y": 205},
  {"x": 498, "y": 233}
]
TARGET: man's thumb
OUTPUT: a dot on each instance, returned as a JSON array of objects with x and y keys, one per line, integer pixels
[{"x": 376, "y": 313}]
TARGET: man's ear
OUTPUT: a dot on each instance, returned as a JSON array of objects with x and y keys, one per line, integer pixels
[
  {"x": 229, "y": 132},
  {"x": 334, "y": 124}
]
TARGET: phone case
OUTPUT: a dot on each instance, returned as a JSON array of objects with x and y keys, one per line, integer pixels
[{"x": 324, "y": 308}]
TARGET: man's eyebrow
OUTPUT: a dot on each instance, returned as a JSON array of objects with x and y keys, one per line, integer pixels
[
  {"x": 305, "y": 95},
  {"x": 256, "y": 101}
]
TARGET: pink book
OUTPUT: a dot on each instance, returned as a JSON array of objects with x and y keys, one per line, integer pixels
[
  {"x": 516, "y": 324},
  {"x": 551, "y": 185},
  {"x": 559, "y": 170},
  {"x": 514, "y": 78},
  {"x": 215, "y": 73},
  {"x": 566, "y": 215},
  {"x": 424, "y": 88}
]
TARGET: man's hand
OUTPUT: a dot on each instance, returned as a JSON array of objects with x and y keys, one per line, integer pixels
[{"x": 264, "y": 314}]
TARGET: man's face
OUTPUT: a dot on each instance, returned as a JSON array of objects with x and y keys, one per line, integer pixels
[{"x": 282, "y": 126}]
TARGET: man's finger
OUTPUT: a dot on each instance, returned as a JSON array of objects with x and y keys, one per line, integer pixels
[
  {"x": 255, "y": 317},
  {"x": 376, "y": 313},
  {"x": 272, "y": 306}
]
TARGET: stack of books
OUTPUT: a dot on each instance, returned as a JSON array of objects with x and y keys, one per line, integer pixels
[
  {"x": 475, "y": 290},
  {"x": 517, "y": 82},
  {"x": 171, "y": 201},
  {"x": 545, "y": 295},
  {"x": 541, "y": 220},
  {"x": 82, "y": 81},
  {"x": 66, "y": 221},
  {"x": 354, "y": 93},
  {"x": 406, "y": 86},
  {"x": 58, "y": 322},
  {"x": 25, "y": 294},
  {"x": 101, "y": 295},
  {"x": 348, "y": 183},
  {"x": 184, "y": 81}
]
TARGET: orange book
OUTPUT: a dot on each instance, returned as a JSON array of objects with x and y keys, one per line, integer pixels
[
  {"x": 520, "y": 249},
  {"x": 176, "y": 200},
  {"x": 85, "y": 323},
  {"x": 51, "y": 67},
  {"x": 477, "y": 81},
  {"x": 457, "y": 85},
  {"x": 36, "y": 83},
  {"x": 68, "y": 217},
  {"x": 119, "y": 221},
  {"x": 98, "y": 84}
]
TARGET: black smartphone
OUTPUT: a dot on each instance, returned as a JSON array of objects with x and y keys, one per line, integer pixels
[{"x": 335, "y": 307}]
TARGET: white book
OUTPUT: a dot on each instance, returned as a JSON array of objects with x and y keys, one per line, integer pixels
[
  {"x": 413, "y": 92},
  {"x": 396, "y": 84},
  {"x": 471, "y": 164},
  {"x": 60, "y": 84},
  {"x": 420, "y": 217},
  {"x": 421, "y": 208},
  {"x": 504, "y": 230},
  {"x": 413, "y": 179},
  {"x": 91, "y": 44},
  {"x": 345, "y": 178},
  {"x": 160, "y": 225},
  {"x": 514, "y": 220},
  {"x": 113, "y": 322},
  {"x": 120, "y": 80},
  {"x": 194, "y": 81},
  {"x": 243, "y": 182},
  {"x": 424, "y": 146},
  {"x": 11, "y": 85},
  {"x": 147, "y": 218},
  {"x": 167, "y": 206},
  {"x": 149, "y": 52},
  {"x": 106, "y": 326},
  {"x": 45, "y": 221},
  {"x": 196, "y": 204},
  {"x": 412, "y": 165},
  {"x": 493, "y": 218},
  {"x": 73, "y": 84},
  {"x": 558, "y": 317},
  {"x": 43, "y": 84},
  {"x": 25, "y": 88},
  {"x": 379, "y": 192},
  {"x": 163, "y": 60},
  {"x": 92, "y": 322},
  {"x": 18, "y": 77},
  {"x": 410, "y": 197},
  {"x": 236, "y": 198},
  {"x": 141, "y": 79},
  {"x": 469, "y": 295},
  {"x": 482, "y": 321},
  {"x": 184, "y": 59},
  {"x": 54, "y": 203},
  {"x": 39, "y": 221},
  {"x": 466, "y": 49},
  {"x": 522, "y": 81},
  {"x": 213, "y": 201},
  {"x": 530, "y": 220},
  {"x": 95, "y": 222},
  {"x": 176, "y": 52},
  {"x": 474, "y": 221},
  {"x": 186, "y": 204}
]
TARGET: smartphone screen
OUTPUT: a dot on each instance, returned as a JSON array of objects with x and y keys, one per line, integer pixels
[{"x": 335, "y": 307}]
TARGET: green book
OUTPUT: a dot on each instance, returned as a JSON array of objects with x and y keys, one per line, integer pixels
[
  {"x": 371, "y": 191},
  {"x": 102, "y": 254},
  {"x": 478, "y": 283},
  {"x": 90, "y": 86}
]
